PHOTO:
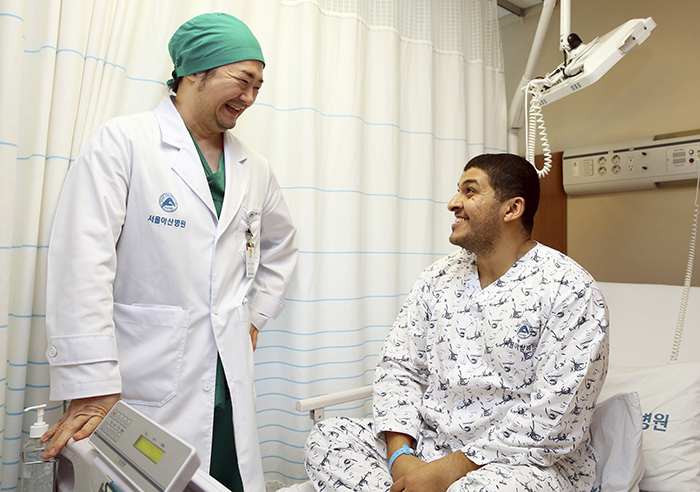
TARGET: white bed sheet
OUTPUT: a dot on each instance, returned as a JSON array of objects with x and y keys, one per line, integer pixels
[{"x": 643, "y": 322}]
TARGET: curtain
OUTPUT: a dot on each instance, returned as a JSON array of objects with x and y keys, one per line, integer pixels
[{"x": 369, "y": 111}]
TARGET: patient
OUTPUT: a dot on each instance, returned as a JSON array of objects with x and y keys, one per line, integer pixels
[{"x": 488, "y": 378}]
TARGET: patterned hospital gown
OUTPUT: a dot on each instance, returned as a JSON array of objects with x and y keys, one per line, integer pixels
[{"x": 508, "y": 374}]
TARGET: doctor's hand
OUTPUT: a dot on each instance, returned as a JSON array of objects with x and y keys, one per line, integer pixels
[
  {"x": 254, "y": 336},
  {"x": 80, "y": 420},
  {"x": 436, "y": 476}
]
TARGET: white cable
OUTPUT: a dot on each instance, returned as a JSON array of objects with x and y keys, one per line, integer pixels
[
  {"x": 534, "y": 120},
  {"x": 688, "y": 275}
]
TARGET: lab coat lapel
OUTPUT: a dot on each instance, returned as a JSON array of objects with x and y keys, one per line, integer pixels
[
  {"x": 186, "y": 164},
  {"x": 237, "y": 181}
]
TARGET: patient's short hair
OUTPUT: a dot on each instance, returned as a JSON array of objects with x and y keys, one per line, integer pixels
[{"x": 511, "y": 176}]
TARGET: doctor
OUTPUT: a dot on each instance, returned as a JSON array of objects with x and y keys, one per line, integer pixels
[{"x": 172, "y": 246}]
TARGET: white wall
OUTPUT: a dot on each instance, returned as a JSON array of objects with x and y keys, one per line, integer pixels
[{"x": 640, "y": 236}]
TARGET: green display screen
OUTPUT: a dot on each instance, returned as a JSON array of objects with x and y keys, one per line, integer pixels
[{"x": 152, "y": 452}]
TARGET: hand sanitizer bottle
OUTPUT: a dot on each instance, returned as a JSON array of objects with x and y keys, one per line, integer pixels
[{"x": 37, "y": 473}]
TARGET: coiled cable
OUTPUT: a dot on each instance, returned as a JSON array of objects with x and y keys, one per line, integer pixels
[
  {"x": 677, "y": 336},
  {"x": 534, "y": 120}
]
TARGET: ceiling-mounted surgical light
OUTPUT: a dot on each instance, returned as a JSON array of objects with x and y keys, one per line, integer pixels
[
  {"x": 586, "y": 63},
  {"x": 583, "y": 65}
]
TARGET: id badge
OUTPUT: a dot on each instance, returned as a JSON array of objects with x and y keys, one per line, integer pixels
[{"x": 249, "y": 260}]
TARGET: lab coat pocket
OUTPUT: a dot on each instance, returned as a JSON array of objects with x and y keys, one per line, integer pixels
[
  {"x": 150, "y": 341},
  {"x": 239, "y": 351}
]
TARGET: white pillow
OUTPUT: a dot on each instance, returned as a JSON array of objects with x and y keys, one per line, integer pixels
[
  {"x": 616, "y": 436},
  {"x": 670, "y": 400}
]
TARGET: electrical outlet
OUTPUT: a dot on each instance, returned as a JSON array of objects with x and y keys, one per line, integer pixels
[{"x": 630, "y": 165}]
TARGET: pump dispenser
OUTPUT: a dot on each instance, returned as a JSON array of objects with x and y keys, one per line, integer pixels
[{"x": 37, "y": 473}]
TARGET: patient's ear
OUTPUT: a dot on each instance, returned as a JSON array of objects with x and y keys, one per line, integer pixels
[{"x": 513, "y": 208}]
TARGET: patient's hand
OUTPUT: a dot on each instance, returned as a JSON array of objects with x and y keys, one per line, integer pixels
[
  {"x": 417, "y": 476},
  {"x": 405, "y": 464}
]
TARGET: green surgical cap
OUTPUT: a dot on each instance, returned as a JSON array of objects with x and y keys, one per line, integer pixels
[{"x": 209, "y": 41}]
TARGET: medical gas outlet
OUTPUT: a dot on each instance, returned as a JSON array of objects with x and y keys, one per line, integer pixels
[{"x": 640, "y": 164}]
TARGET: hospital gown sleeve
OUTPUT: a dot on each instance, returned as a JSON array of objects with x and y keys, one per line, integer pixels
[
  {"x": 278, "y": 256},
  {"x": 82, "y": 350},
  {"x": 569, "y": 374},
  {"x": 401, "y": 375}
]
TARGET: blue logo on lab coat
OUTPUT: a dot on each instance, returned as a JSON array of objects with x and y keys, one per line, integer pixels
[{"x": 167, "y": 202}]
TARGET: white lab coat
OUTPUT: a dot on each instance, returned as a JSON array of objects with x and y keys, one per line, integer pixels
[{"x": 145, "y": 284}]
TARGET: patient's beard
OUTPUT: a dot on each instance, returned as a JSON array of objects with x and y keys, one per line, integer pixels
[{"x": 483, "y": 234}]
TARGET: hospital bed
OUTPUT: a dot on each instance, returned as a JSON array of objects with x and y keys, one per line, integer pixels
[{"x": 646, "y": 427}]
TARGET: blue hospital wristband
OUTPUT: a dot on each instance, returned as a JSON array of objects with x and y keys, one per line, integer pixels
[{"x": 402, "y": 450}]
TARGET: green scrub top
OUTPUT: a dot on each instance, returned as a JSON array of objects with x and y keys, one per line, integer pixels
[{"x": 224, "y": 463}]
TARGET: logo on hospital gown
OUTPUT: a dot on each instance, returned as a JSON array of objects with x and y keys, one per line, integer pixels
[
  {"x": 526, "y": 331},
  {"x": 167, "y": 202}
]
